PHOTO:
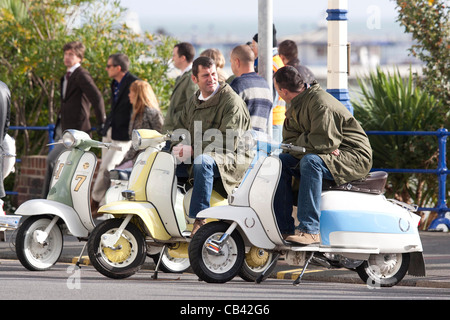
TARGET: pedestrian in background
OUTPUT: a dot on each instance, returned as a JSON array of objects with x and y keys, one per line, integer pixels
[
  {"x": 183, "y": 55},
  {"x": 146, "y": 115},
  {"x": 78, "y": 94},
  {"x": 117, "y": 123},
  {"x": 251, "y": 87},
  {"x": 288, "y": 52},
  {"x": 5, "y": 109}
]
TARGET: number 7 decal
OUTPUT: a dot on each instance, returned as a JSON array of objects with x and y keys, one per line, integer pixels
[{"x": 81, "y": 179}]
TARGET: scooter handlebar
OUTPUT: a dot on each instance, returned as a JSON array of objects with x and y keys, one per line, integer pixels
[{"x": 291, "y": 147}]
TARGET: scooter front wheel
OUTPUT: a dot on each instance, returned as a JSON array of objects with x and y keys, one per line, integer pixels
[
  {"x": 221, "y": 266},
  {"x": 384, "y": 270},
  {"x": 127, "y": 256},
  {"x": 34, "y": 255}
]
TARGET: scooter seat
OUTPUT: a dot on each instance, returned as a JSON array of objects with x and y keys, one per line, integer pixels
[
  {"x": 120, "y": 174},
  {"x": 374, "y": 183}
]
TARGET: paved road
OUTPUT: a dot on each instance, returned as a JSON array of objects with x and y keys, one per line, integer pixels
[{"x": 66, "y": 282}]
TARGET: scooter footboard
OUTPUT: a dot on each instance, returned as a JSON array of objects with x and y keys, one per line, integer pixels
[
  {"x": 247, "y": 220},
  {"x": 144, "y": 210}
]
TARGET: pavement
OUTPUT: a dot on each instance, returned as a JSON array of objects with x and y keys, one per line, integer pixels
[{"x": 436, "y": 247}]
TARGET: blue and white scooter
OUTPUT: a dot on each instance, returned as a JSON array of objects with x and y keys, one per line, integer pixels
[{"x": 362, "y": 231}]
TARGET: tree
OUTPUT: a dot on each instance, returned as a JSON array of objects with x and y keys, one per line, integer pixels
[
  {"x": 31, "y": 56},
  {"x": 391, "y": 103},
  {"x": 428, "y": 23}
]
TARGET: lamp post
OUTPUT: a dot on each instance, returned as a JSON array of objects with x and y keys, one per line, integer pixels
[{"x": 337, "y": 54}]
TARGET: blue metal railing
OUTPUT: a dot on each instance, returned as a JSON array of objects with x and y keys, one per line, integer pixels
[{"x": 441, "y": 171}]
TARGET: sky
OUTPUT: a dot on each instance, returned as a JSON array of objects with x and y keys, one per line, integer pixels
[{"x": 179, "y": 17}]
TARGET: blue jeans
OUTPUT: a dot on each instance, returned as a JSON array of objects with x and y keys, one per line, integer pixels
[
  {"x": 205, "y": 170},
  {"x": 311, "y": 170}
]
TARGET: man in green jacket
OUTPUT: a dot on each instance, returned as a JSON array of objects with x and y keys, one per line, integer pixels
[
  {"x": 183, "y": 55},
  {"x": 212, "y": 120},
  {"x": 337, "y": 149}
]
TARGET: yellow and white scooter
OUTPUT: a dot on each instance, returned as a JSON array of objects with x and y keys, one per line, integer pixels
[{"x": 151, "y": 220}]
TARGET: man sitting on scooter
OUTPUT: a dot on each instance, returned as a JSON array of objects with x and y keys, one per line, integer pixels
[
  {"x": 213, "y": 119},
  {"x": 337, "y": 149}
]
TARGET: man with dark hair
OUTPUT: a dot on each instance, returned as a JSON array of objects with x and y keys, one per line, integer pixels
[
  {"x": 337, "y": 149},
  {"x": 215, "y": 117},
  {"x": 251, "y": 87},
  {"x": 288, "y": 52},
  {"x": 116, "y": 129},
  {"x": 183, "y": 55},
  {"x": 78, "y": 93}
]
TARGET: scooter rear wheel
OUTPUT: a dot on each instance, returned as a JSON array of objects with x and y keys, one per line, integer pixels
[
  {"x": 256, "y": 261},
  {"x": 221, "y": 267},
  {"x": 384, "y": 270},
  {"x": 37, "y": 256},
  {"x": 125, "y": 259}
]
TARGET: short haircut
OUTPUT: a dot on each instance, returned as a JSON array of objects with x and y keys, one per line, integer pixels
[
  {"x": 120, "y": 59},
  {"x": 186, "y": 49},
  {"x": 216, "y": 55},
  {"x": 288, "y": 48},
  {"x": 289, "y": 78},
  {"x": 244, "y": 53},
  {"x": 77, "y": 47},
  {"x": 205, "y": 62}
]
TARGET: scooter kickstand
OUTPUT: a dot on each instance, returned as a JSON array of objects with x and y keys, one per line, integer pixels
[
  {"x": 299, "y": 278},
  {"x": 263, "y": 274},
  {"x": 81, "y": 254},
  {"x": 155, "y": 274}
]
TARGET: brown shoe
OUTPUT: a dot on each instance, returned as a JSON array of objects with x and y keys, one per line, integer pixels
[
  {"x": 197, "y": 224},
  {"x": 304, "y": 238}
]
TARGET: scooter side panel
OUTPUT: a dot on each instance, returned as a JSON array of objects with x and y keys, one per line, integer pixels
[
  {"x": 144, "y": 210},
  {"x": 44, "y": 206},
  {"x": 247, "y": 220},
  {"x": 388, "y": 231}
]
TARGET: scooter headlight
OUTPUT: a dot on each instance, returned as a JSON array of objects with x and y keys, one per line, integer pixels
[
  {"x": 69, "y": 139},
  {"x": 136, "y": 140}
]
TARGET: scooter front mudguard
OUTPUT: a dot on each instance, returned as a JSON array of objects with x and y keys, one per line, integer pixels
[
  {"x": 247, "y": 220},
  {"x": 144, "y": 210},
  {"x": 49, "y": 207}
]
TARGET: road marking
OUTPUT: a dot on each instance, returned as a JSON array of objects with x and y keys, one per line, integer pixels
[
  {"x": 295, "y": 273},
  {"x": 84, "y": 260}
]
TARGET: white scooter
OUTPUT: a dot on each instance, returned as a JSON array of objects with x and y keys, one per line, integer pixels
[
  {"x": 39, "y": 240},
  {"x": 365, "y": 232},
  {"x": 152, "y": 219}
]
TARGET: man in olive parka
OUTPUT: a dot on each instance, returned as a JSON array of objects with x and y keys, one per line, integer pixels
[
  {"x": 337, "y": 149},
  {"x": 214, "y": 118}
]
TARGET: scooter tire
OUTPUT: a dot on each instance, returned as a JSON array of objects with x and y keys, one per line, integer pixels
[
  {"x": 32, "y": 255},
  {"x": 386, "y": 272},
  {"x": 216, "y": 268},
  {"x": 126, "y": 266}
]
